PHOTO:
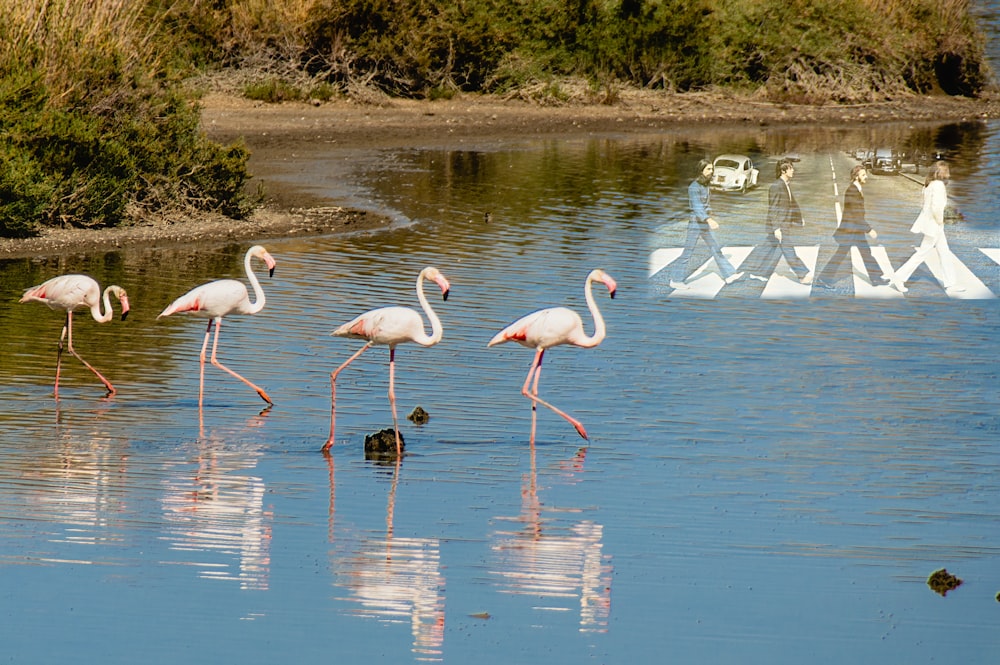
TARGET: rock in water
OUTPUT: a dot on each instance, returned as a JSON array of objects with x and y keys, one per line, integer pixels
[
  {"x": 941, "y": 581},
  {"x": 418, "y": 416},
  {"x": 383, "y": 443}
]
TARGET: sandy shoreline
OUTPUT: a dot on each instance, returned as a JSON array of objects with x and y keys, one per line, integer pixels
[{"x": 405, "y": 122}]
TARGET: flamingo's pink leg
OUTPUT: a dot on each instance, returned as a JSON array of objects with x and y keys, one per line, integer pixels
[
  {"x": 392, "y": 398},
  {"x": 333, "y": 395},
  {"x": 62, "y": 337},
  {"x": 201, "y": 365},
  {"x": 215, "y": 344},
  {"x": 536, "y": 366},
  {"x": 69, "y": 345},
  {"x": 536, "y": 369}
]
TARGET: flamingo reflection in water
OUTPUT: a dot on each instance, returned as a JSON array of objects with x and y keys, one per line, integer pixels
[
  {"x": 72, "y": 292},
  {"x": 216, "y": 509},
  {"x": 554, "y": 326},
  {"x": 546, "y": 557},
  {"x": 394, "y": 580}
]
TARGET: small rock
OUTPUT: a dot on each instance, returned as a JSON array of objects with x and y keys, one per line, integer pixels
[
  {"x": 383, "y": 442},
  {"x": 941, "y": 581},
  {"x": 418, "y": 416}
]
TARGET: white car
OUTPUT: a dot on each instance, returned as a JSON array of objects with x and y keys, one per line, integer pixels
[{"x": 733, "y": 173}]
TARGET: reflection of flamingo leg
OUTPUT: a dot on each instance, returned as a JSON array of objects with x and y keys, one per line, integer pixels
[
  {"x": 68, "y": 331},
  {"x": 390, "y": 509},
  {"x": 536, "y": 369},
  {"x": 333, "y": 394},
  {"x": 215, "y": 345}
]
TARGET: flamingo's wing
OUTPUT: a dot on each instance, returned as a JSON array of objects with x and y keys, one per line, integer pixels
[
  {"x": 542, "y": 329},
  {"x": 386, "y": 325},
  {"x": 65, "y": 292},
  {"x": 210, "y": 300}
]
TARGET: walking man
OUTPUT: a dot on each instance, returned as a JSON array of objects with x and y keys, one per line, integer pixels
[
  {"x": 782, "y": 214},
  {"x": 702, "y": 225},
  {"x": 854, "y": 231}
]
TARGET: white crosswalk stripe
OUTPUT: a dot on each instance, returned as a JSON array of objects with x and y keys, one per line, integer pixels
[{"x": 706, "y": 281}]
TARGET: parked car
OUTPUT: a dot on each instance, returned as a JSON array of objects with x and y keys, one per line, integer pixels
[
  {"x": 733, "y": 173},
  {"x": 886, "y": 160}
]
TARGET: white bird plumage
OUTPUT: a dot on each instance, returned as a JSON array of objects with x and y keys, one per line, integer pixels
[
  {"x": 550, "y": 327},
  {"x": 72, "y": 292},
  {"x": 389, "y": 326},
  {"x": 220, "y": 298}
]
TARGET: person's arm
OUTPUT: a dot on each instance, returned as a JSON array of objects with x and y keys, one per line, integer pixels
[
  {"x": 773, "y": 206},
  {"x": 698, "y": 195}
]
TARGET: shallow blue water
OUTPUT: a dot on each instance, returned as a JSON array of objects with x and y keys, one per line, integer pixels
[{"x": 766, "y": 481}]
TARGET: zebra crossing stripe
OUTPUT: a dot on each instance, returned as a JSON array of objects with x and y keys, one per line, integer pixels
[
  {"x": 706, "y": 281},
  {"x": 974, "y": 287},
  {"x": 994, "y": 254}
]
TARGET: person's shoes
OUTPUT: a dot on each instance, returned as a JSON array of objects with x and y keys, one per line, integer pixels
[
  {"x": 678, "y": 286},
  {"x": 955, "y": 288},
  {"x": 758, "y": 278},
  {"x": 899, "y": 286},
  {"x": 732, "y": 278},
  {"x": 808, "y": 279},
  {"x": 880, "y": 281}
]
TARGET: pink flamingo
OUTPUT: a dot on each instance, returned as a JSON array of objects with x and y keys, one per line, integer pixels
[
  {"x": 215, "y": 300},
  {"x": 72, "y": 292},
  {"x": 552, "y": 327},
  {"x": 391, "y": 326}
]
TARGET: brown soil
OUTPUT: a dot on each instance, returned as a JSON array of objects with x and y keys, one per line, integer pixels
[{"x": 407, "y": 122}]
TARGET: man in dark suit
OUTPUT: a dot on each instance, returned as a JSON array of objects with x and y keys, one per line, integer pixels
[
  {"x": 782, "y": 214},
  {"x": 854, "y": 231}
]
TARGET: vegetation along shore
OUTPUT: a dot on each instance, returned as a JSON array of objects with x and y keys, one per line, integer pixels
[{"x": 125, "y": 122}]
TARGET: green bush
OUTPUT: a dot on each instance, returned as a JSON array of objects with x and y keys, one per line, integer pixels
[
  {"x": 93, "y": 130},
  {"x": 799, "y": 50}
]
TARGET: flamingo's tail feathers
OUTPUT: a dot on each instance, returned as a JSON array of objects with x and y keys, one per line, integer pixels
[
  {"x": 179, "y": 307},
  {"x": 505, "y": 336},
  {"x": 34, "y": 293}
]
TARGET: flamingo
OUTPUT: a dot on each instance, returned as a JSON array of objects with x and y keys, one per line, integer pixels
[
  {"x": 72, "y": 292},
  {"x": 215, "y": 300},
  {"x": 390, "y": 326},
  {"x": 551, "y": 327}
]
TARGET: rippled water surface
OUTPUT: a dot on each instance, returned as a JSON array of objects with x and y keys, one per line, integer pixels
[{"x": 767, "y": 480}]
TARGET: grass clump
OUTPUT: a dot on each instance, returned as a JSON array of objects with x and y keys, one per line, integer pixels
[{"x": 94, "y": 128}]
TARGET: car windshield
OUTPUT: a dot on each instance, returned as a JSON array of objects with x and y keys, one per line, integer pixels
[{"x": 726, "y": 164}]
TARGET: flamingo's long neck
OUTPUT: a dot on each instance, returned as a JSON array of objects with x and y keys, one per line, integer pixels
[
  {"x": 258, "y": 291},
  {"x": 436, "y": 330},
  {"x": 599, "y": 329},
  {"x": 108, "y": 314}
]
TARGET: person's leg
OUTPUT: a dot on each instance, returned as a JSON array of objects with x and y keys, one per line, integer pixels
[
  {"x": 720, "y": 259},
  {"x": 830, "y": 271},
  {"x": 679, "y": 268},
  {"x": 906, "y": 270},
  {"x": 871, "y": 265},
  {"x": 794, "y": 262},
  {"x": 760, "y": 264},
  {"x": 947, "y": 261}
]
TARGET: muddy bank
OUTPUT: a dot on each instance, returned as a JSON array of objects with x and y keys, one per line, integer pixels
[{"x": 408, "y": 122}]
